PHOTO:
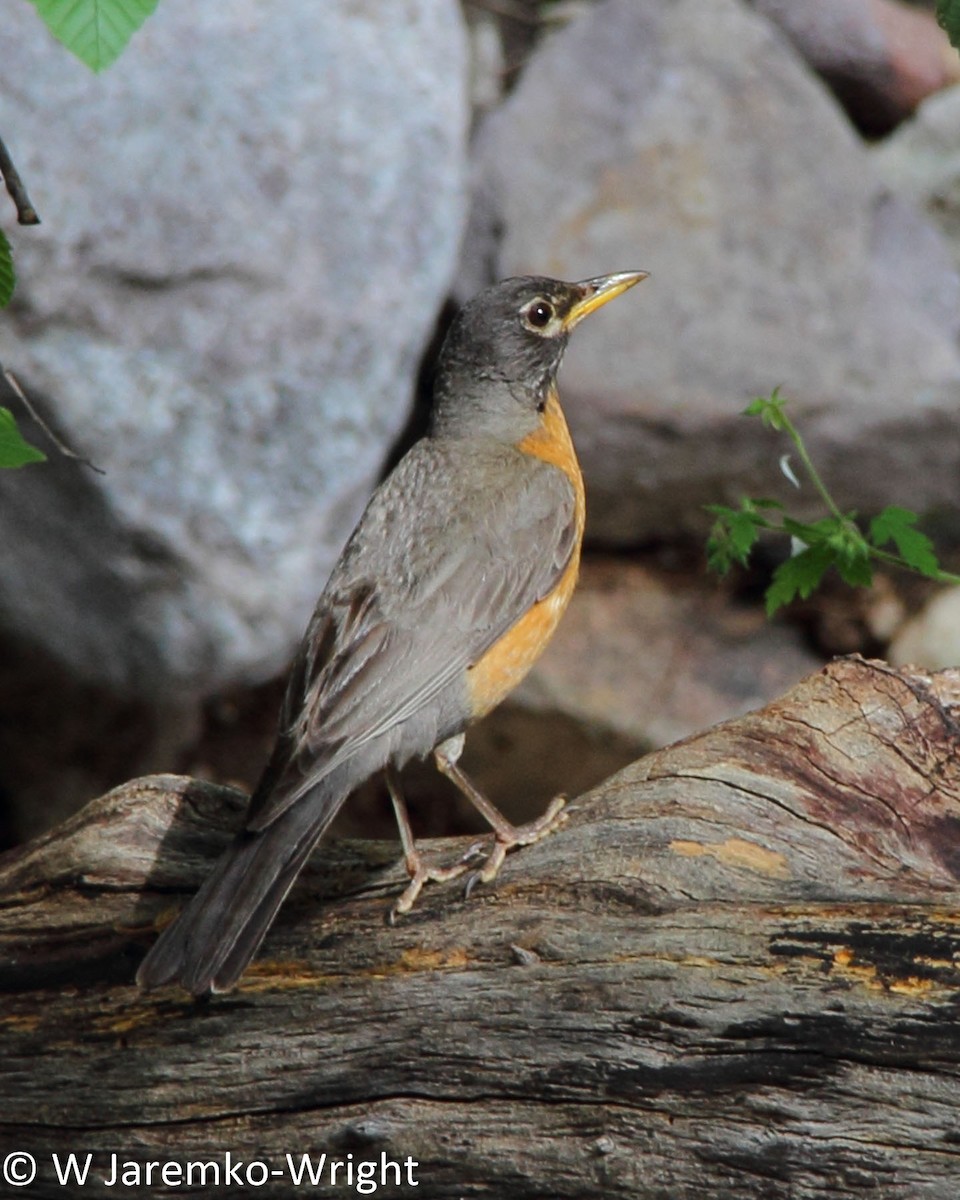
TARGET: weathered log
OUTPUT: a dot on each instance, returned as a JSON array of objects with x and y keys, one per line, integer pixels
[{"x": 735, "y": 971}]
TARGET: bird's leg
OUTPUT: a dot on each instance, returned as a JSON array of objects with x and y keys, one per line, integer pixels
[
  {"x": 506, "y": 834},
  {"x": 419, "y": 871}
]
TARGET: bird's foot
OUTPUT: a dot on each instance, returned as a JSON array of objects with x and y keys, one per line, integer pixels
[
  {"x": 507, "y": 837},
  {"x": 422, "y": 872}
]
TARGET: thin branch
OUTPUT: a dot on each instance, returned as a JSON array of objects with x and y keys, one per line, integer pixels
[
  {"x": 26, "y": 213},
  {"x": 63, "y": 449}
]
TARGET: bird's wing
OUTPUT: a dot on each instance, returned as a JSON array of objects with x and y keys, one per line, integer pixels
[{"x": 443, "y": 563}]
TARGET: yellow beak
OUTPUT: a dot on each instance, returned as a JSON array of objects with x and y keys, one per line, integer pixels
[{"x": 596, "y": 292}]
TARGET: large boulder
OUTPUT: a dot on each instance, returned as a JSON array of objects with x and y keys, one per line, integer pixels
[
  {"x": 930, "y": 638},
  {"x": 249, "y": 224},
  {"x": 880, "y": 57},
  {"x": 655, "y": 656},
  {"x": 690, "y": 139},
  {"x": 921, "y": 162}
]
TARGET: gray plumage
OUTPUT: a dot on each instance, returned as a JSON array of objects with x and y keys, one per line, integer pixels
[{"x": 454, "y": 548}]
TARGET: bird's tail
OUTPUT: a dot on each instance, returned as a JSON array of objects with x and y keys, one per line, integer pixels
[{"x": 208, "y": 946}]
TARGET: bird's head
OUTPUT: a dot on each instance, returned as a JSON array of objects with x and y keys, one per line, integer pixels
[{"x": 502, "y": 352}]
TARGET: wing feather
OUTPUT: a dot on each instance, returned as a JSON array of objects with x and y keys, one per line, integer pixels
[{"x": 402, "y": 616}]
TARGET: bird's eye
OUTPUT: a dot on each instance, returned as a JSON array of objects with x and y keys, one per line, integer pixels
[{"x": 539, "y": 314}]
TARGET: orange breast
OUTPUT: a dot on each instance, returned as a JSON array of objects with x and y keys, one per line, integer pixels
[{"x": 499, "y": 671}]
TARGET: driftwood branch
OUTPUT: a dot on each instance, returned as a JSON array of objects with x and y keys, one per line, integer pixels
[{"x": 734, "y": 972}]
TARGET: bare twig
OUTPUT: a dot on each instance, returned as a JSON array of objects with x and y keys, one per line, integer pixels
[
  {"x": 64, "y": 449},
  {"x": 26, "y": 213}
]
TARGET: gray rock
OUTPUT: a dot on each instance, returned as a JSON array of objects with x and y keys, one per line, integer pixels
[
  {"x": 880, "y": 57},
  {"x": 921, "y": 162},
  {"x": 689, "y": 139},
  {"x": 249, "y": 224},
  {"x": 930, "y": 638},
  {"x": 656, "y": 656}
]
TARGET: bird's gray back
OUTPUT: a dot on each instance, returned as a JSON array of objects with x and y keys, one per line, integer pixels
[{"x": 453, "y": 548}]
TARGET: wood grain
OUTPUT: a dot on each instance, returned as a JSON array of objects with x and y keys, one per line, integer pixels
[{"x": 735, "y": 971}]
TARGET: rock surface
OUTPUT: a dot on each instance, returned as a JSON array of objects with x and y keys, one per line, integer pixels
[
  {"x": 724, "y": 167},
  {"x": 880, "y": 57},
  {"x": 240, "y": 262},
  {"x": 931, "y": 638},
  {"x": 921, "y": 162},
  {"x": 655, "y": 657}
]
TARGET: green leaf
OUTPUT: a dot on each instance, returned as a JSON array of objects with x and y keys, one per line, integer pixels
[
  {"x": 14, "y": 451},
  {"x": 854, "y": 569},
  {"x": 748, "y": 504},
  {"x": 8, "y": 278},
  {"x": 948, "y": 14},
  {"x": 769, "y": 409},
  {"x": 898, "y": 525},
  {"x": 744, "y": 531},
  {"x": 798, "y": 576},
  {"x": 848, "y": 543},
  {"x": 96, "y": 31},
  {"x": 827, "y": 529},
  {"x": 722, "y": 552},
  {"x": 735, "y": 532}
]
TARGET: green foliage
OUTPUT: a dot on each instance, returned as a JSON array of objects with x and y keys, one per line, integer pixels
[
  {"x": 8, "y": 277},
  {"x": 798, "y": 576},
  {"x": 735, "y": 532},
  {"x": 898, "y": 525},
  {"x": 834, "y": 541},
  {"x": 14, "y": 451},
  {"x": 96, "y": 31},
  {"x": 948, "y": 14},
  {"x": 770, "y": 410}
]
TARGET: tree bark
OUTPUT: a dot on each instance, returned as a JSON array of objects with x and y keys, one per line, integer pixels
[{"x": 735, "y": 971}]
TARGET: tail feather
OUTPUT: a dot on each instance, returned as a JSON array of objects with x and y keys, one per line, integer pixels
[{"x": 208, "y": 946}]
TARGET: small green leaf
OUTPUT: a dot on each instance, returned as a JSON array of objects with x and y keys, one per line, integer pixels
[
  {"x": 748, "y": 504},
  {"x": 848, "y": 543},
  {"x": 948, "y": 14},
  {"x": 744, "y": 531},
  {"x": 826, "y": 530},
  {"x": 96, "y": 31},
  {"x": 893, "y": 521},
  {"x": 722, "y": 552},
  {"x": 798, "y": 576},
  {"x": 854, "y": 569},
  {"x": 735, "y": 532},
  {"x": 14, "y": 451},
  {"x": 8, "y": 278},
  {"x": 769, "y": 409},
  {"x": 719, "y": 556},
  {"x": 898, "y": 525}
]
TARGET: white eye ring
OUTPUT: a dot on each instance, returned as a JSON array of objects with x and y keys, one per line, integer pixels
[{"x": 538, "y": 314}]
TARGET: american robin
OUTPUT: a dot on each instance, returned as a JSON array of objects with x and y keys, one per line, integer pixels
[{"x": 446, "y": 593}]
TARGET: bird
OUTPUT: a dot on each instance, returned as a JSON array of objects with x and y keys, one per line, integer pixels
[{"x": 442, "y": 599}]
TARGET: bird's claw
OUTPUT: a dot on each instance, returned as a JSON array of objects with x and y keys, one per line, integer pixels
[
  {"x": 505, "y": 840},
  {"x": 421, "y": 873},
  {"x": 518, "y": 835}
]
